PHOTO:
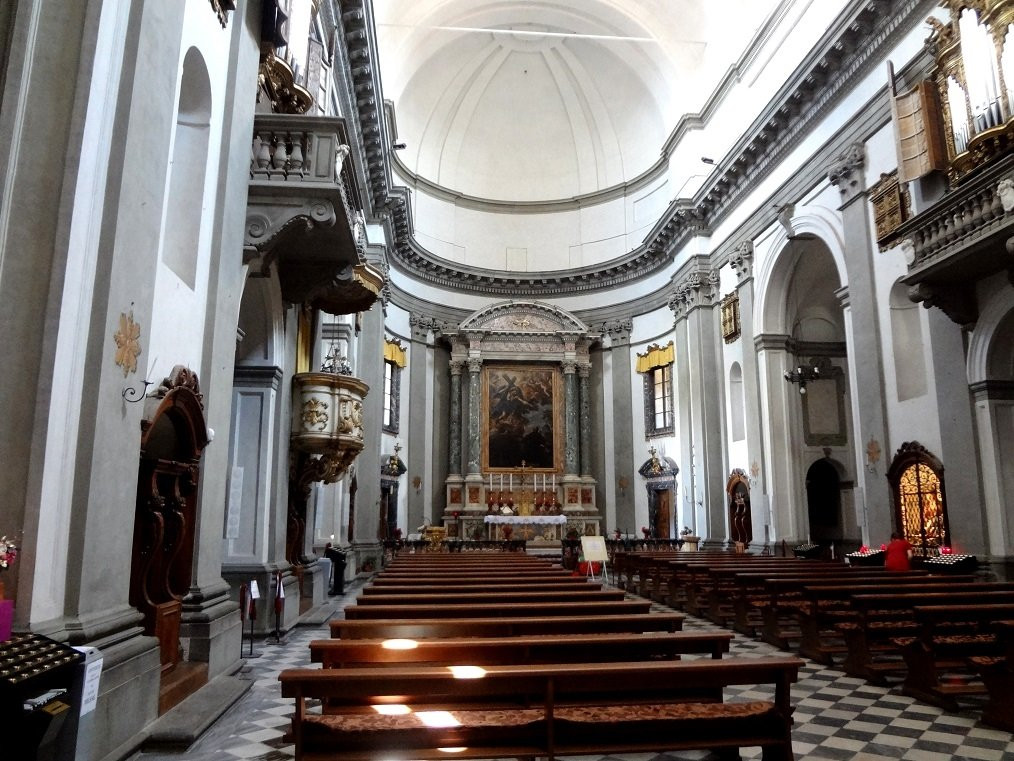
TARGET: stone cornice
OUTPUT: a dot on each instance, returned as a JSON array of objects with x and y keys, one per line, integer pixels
[
  {"x": 845, "y": 54},
  {"x": 494, "y": 206},
  {"x": 358, "y": 69}
]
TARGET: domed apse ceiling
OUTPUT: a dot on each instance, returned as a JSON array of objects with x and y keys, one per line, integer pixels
[{"x": 546, "y": 100}]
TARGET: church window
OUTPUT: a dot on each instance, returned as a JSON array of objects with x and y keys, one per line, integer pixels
[
  {"x": 655, "y": 365},
  {"x": 394, "y": 361}
]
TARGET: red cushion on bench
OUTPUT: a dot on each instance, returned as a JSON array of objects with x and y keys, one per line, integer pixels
[{"x": 654, "y": 712}]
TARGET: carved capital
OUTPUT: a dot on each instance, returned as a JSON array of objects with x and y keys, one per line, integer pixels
[
  {"x": 584, "y": 370},
  {"x": 742, "y": 261},
  {"x": 457, "y": 366},
  {"x": 696, "y": 290},
  {"x": 569, "y": 366},
  {"x": 846, "y": 171},
  {"x": 474, "y": 365},
  {"x": 617, "y": 330}
]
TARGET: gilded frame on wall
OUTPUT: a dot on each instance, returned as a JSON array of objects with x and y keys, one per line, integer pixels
[{"x": 521, "y": 417}]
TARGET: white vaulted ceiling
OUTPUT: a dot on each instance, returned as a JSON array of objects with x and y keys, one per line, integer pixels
[{"x": 525, "y": 100}]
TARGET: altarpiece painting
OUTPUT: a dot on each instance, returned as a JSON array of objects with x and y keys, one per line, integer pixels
[{"x": 521, "y": 420}]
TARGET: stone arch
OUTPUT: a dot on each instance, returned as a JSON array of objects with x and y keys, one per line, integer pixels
[
  {"x": 824, "y": 480},
  {"x": 991, "y": 346},
  {"x": 778, "y": 259}
]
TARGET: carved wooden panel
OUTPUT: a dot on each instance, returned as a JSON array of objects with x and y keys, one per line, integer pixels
[{"x": 891, "y": 206}]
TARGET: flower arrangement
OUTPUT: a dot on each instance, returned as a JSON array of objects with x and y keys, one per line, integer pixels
[{"x": 8, "y": 552}]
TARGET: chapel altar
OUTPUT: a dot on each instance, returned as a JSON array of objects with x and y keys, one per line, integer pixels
[{"x": 520, "y": 427}]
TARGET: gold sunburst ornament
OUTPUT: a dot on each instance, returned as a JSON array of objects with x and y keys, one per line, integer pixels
[{"x": 128, "y": 343}]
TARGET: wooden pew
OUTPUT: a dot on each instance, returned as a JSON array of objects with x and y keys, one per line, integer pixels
[
  {"x": 542, "y": 710},
  {"x": 484, "y": 651},
  {"x": 949, "y": 636},
  {"x": 502, "y": 610},
  {"x": 885, "y": 615},
  {"x": 758, "y": 591},
  {"x": 475, "y": 597},
  {"x": 502, "y": 586},
  {"x": 478, "y": 580},
  {"x": 781, "y": 615},
  {"x": 420, "y": 628},
  {"x": 997, "y": 674}
]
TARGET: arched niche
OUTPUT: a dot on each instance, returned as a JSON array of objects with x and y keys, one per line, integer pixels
[
  {"x": 737, "y": 490},
  {"x": 659, "y": 474},
  {"x": 183, "y": 217}
]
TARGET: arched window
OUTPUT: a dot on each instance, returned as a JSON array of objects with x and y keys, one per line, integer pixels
[{"x": 917, "y": 485}]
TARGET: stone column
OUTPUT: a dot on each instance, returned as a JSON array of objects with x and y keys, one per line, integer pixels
[
  {"x": 454, "y": 445},
  {"x": 742, "y": 264},
  {"x": 420, "y": 423},
  {"x": 780, "y": 439},
  {"x": 584, "y": 371},
  {"x": 369, "y": 367},
  {"x": 865, "y": 347},
  {"x": 620, "y": 461},
  {"x": 570, "y": 407},
  {"x": 474, "y": 454},
  {"x": 454, "y": 485},
  {"x": 695, "y": 301},
  {"x": 994, "y": 413}
]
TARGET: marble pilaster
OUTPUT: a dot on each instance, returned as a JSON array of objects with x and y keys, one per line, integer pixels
[{"x": 866, "y": 369}]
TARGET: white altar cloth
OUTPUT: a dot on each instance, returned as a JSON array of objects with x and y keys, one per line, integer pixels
[{"x": 515, "y": 520}]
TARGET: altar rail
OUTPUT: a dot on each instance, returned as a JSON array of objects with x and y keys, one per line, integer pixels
[{"x": 392, "y": 547}]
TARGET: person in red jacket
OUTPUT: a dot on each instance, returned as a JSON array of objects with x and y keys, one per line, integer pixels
[{"x": 898, "y": 555}]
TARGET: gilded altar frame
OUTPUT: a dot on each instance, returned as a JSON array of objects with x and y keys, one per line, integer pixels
[{"x": 522, "y": 418}]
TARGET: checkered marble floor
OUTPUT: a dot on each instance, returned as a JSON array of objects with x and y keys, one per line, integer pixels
[{"x": 837, "y": 718}]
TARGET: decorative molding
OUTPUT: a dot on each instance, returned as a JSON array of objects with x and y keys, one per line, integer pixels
[{"x": 523, "y": 317}]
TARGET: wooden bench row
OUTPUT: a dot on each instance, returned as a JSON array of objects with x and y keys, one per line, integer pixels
[
  {"x": 543, "y": 710},
  {"x": 553, "y": 668}
]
